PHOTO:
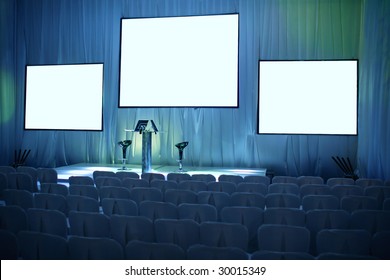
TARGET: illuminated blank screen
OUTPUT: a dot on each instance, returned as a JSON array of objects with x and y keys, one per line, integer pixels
[
  {"x": 64, "y": 97},
  {"x": 308, "y": 97},
  {"x": 179, "y": 62}
]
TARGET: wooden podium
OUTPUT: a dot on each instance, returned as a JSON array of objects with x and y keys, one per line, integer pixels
[{"x": 146, "y": 128}]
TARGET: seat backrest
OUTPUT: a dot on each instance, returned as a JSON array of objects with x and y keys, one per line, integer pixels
[
  {"x": 151, "y": 176},
  {"x": 352, "y": 203},
  {"x": 247, "y": 199},
  {"x": 203, "y": 177},
  {"x": 343, "y": 241},
  {"x": 228, "y": 187},
  {"x": 55, "y": 188},
  {"x": 51, "y": 201},
  {"x": 127, "y": 174},
  {"x": 33, "y": 172},
  {"x": 252, "y": 187},
  {"x": 268, "y": 255},
  {"x": 6, "y": 169},
  {"x": 20, "y": 181},
  {"x": 93, "y": 248},
  {"x": 284, "y": 179},
  {"x": 3, "y": 184},
  {"x": 102, "y": 173},
  {"x": 285, "y": 216},
  {"x": 314, "y": 189},
  {"x": 89, "y": 224},
  {"x": 22, "y": 198},
  {"x": 338, "y": 256},
  {"x": 303, "y": 180},
  {"x": 141, "y": 250},
  {"x": 183, "y": 233},
  {"x": 291, "y": 188},
  {"x": 203, "y": 252},
  {"x": 179, "y": 196},
  {"x": 312, "y": 202},
  {"x": 221, "y": 234},
  {"x": 114, "y": 192},
  {"x": 236, "y": 179},
  {"x": 47, "y": 221},
  {"x": 217, "y": 199},
  {"x": 143, "y": 194},
  {"x": 154, "y": 210},
  {"x": 81, "y": 180},
  {"x": 340, "y": 181},
  {"x": 47, "y": 175},
  {"x": 191, "y": 185},
  {"x": 107, "y": 181},
  {"x": 250, "y": 217},
  {"x": 380, "y": 193},
  {"x": 380, "y": 245},
  {"x": 372, "y": 221},
  {"x": 9, "y": 245},
  {"x": 178, "y": 177},
  {"x": 343, "y": 190},
  {"x": 119, "y": 206},
  {"x": 365, "y": 182},
  {"x": 131, "y": 183},
  {"x": 257, "y": 179},
  {"x": 320, "y": 219},
  {"x": 164, "y": 185},
  {"x": 84, "y": 190},
  {"x": 82, "y": 204},
  {"x": 317, "y": 220},
  {"x": 42, "y": 246},
  {"x": 13, "y": 218},
  {"x": 282, "y": 200},
  {"x": 283, "y": 238},
  {"x": 127, "y": 228},
  {"x": 198, "y": 212}
]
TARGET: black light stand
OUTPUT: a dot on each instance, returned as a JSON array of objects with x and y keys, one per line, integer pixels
[
  {"x": 124, "y": 144},
  {"x": 180, "y": 146}
]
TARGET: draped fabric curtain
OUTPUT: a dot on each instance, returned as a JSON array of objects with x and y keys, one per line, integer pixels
[
  {"x": 374, "y": 103},
  {"x": 88, "y": 31}
]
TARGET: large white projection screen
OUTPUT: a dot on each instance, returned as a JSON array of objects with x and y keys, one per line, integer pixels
[
  {"x": 179, "y": 62},
  {"x": 308, "y": 97},
  {"x": 64, "y": 97}
]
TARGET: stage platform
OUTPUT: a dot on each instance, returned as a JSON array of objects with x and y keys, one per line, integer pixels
[{"x": 85, "y": 169}]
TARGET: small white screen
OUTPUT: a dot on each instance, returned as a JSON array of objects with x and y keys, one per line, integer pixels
[
  {"x": 308, "y": 97},
  {"x": 64, "y": 97}
]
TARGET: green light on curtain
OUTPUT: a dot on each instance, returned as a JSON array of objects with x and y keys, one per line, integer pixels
[{"x": 7, "y": 97}]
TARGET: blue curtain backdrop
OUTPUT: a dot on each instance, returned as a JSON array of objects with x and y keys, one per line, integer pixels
[{"x": 88, "y": 31}]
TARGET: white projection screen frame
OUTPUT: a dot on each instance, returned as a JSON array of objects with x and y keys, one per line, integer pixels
[
  {"x": 64, "y": 97},
  {"x": 318, "y": 97},
  {"x": 189, "y": 61}
]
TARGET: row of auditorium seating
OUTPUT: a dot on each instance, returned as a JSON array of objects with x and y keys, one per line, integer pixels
[
  {"x": 275, "y": 242},
  {"x": 88, "y": 198},
  {"x": 301, "y": 180},
  {"x": 252, "y": 202},
  {"x": 34, "y": 245},
  {"x": 49, "y": 175},
  {"x": 240, "y": 225},
  {"x": 348, "y": 197}
]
